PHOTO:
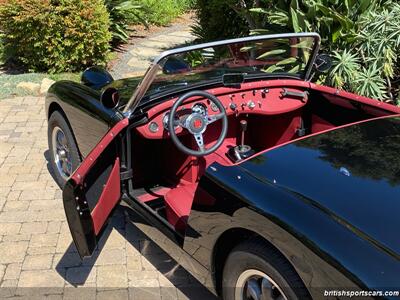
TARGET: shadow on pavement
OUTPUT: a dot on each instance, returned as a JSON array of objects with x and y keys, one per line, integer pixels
[
  {"x": 126, "y": 222},
  {"x": 47, "y": 157}
]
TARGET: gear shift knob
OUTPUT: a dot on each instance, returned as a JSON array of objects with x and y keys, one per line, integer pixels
[{"x": 243, "y": 125}]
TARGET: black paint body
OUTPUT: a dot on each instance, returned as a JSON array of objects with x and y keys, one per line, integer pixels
[
  {"x": 87, "y": 117},
  {"x": 328, "y": 203}
]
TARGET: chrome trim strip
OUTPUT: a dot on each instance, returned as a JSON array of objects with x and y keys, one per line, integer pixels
[{"x": 155, "y": 66}]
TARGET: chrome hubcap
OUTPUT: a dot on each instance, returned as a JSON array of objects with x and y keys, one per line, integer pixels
[
  {"x": 62, "y": 157},
  {"x": 256, "y": 285}
]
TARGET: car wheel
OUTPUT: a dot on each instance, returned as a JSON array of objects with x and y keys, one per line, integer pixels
[
  {"x": 254, "y": 270},
  {"x": 64, "y": 155}
]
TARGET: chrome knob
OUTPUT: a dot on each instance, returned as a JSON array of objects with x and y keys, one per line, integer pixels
[
  {"x": 251, "y": 104},
  {"x": 233, "y": 106}
]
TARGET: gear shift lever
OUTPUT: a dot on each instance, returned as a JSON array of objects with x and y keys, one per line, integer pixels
[
  {"x": 241, "y": 151},
  {"x": 243, "y": 127}
]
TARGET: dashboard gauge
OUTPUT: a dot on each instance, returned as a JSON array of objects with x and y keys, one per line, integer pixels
[
  {"x": 153, "y": 127},
  {"x": 165, "y": 121},
  {"x": 214, "y": 107},
  {"x": 199, "y": 108}
]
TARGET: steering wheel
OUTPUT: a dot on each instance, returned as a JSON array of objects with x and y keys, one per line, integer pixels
[{"x": 196, "y": 123}]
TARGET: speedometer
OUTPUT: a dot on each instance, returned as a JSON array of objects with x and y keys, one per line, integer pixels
[
  {"x": 200, "y": 108},
  {"x": 165, "y": 121}
]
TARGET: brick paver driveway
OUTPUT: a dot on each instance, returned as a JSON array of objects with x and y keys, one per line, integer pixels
[{"x": 37, "y": 256}]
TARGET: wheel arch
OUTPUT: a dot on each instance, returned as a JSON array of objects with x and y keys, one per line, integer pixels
[
  {"x": 53, "y": 107},
  {"x": 227, "y": 241}
]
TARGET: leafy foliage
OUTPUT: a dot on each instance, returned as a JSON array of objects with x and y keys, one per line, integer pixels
[
  {"x": 371, "y": 69},
  {"x": 55, "y": 36},
  {"x": 163, "y": 13},
  {"x": 210, "y": 26},
  {"x": 334, "y": 20},
  {"x": 122, "y": 14},
  {"x": 2, "y": 51},
  {"x": 362, "y": 35}
]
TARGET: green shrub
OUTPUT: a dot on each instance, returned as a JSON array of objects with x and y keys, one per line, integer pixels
[
  {"x": 363, "y": 36},
  {"x": 371, "y": 67},
  {"x": 122, "y": 14},
  {"x": 334, "y": 20},
  {"x": 2, "y": 53},
  {"x": 163, "y": 12},
  {"x": 56, "y": 35},
  {"x": 216, "y": 19}
]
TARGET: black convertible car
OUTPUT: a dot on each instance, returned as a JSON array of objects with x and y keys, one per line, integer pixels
[{"x": 279, "y": 188}]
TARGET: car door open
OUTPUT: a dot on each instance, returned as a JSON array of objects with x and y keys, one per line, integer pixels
[{"x": 93, "y": 191}]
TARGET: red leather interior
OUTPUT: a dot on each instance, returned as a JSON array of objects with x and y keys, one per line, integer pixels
[
  {"x": 153, "y": 195},
  {"x": 108, "y": 199},
  {"x": 274, "y": 122},
  {"x": 319, "y": 124},
  {"x": 178, "y": 205}
]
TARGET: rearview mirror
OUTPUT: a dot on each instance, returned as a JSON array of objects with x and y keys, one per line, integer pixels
[
  {"x": 232, "y": 79},
  {"x": 110, "y": 98},
  {"x": 323, "y": 63}
]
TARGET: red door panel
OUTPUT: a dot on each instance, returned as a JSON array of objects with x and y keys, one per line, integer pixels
[
  {"x": 93, "y": 191},
  {"x": 108, "y": 199}
]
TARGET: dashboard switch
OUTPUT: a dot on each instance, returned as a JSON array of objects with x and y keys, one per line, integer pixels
[
  {"x": 153, "y": 127},
  {"x": 251, "y": 104},
  {"x": 233, "y": 106}
]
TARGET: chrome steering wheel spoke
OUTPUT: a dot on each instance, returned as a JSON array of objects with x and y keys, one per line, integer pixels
[
  {"x": 181, "y": 122},
  {"x": 213, "y": 118},
  {"x": 199, "y": 140}
]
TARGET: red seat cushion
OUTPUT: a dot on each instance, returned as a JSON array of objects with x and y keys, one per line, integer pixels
[{"x": 178, "y": 205}]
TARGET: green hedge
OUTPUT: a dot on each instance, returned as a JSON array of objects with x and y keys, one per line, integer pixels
[
  {"x": 2, "y": 54},
  {"x": 163, "y": 12},
  {"x": 217, "y": 20},
  {"x": 55, "y": 35},
  {"x": 363, "y": 36}
]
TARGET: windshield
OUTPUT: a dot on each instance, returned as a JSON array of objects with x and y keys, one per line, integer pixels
[{"x": 281, "y": 55}]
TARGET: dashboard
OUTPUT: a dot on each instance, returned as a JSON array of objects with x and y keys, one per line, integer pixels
[{"x": 261, "y": 101}]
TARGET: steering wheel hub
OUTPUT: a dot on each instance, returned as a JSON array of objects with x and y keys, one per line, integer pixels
[{"x": 196, "y": 123}]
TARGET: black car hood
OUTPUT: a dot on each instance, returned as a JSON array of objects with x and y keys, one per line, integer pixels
[{"x": 352, "y": 174}]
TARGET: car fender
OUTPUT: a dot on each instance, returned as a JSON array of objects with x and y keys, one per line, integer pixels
[
  {"x": 88, "y": 118},
  {"x": 314, "y": 243}
]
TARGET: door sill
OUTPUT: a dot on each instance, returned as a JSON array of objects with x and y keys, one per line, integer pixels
[{"x": 152, "y": 217}]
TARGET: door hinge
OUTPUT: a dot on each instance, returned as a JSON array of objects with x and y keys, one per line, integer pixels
[{"x": 126, "y": 175}]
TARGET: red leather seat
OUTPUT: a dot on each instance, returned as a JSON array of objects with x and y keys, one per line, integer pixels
[{"x": 178, "y": 205}]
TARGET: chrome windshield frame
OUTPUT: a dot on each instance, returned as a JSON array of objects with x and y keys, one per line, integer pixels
[{"x": 155, "y": 65}]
